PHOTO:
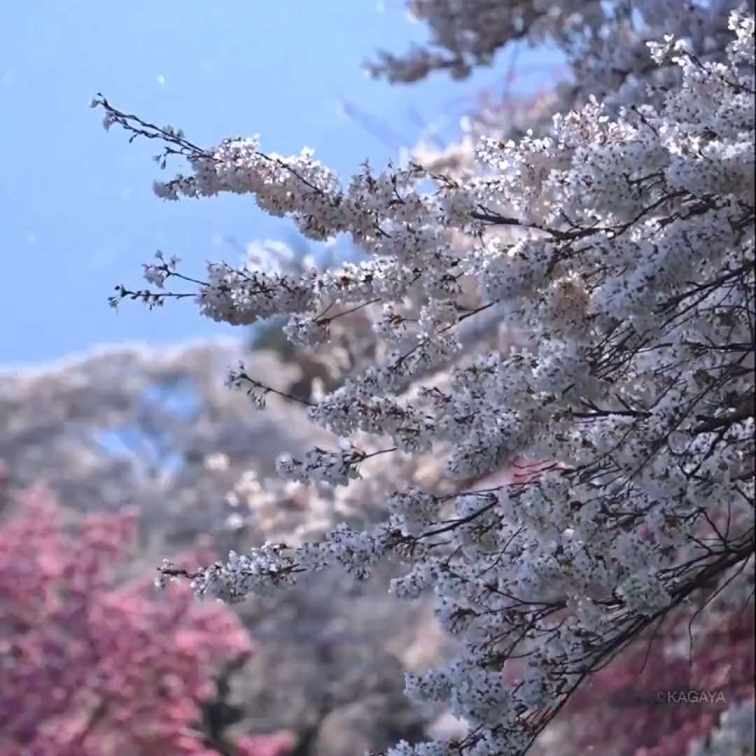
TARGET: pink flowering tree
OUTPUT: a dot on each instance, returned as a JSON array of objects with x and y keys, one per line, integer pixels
[
  {"x": 92, "y": 665},
  {"x": 156, "y": 430},
  {"x": 666, "y": 692}
]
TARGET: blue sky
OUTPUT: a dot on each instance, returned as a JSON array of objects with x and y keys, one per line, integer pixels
[{"x": 78, "y": 214}]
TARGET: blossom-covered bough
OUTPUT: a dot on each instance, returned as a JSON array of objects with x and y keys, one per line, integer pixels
[{"x": 618, "y": 246}]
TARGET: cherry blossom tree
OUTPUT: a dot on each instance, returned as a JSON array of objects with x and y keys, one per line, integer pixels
[
  {"x": 153, "y": 429},
  {"x": 617, "y": 244},
  {"x": 93, "y": 666},
  {"x": 157, "y": 431}
]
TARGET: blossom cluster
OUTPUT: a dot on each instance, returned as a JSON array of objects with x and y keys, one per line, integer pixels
[
  {"x": 620, "y": 245},
  {"x": 735, "y": 733}
]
